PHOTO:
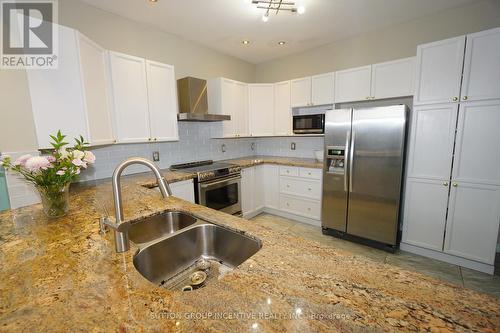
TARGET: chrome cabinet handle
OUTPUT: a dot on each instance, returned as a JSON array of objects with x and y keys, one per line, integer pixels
[
  {"x": 455, "y": 184},
  {"x": 445, "y": 183},
  {"x": 455, "y": 99},
  {"x": 465, "y": 98}
]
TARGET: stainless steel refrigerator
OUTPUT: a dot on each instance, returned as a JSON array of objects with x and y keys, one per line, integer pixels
[{"x": 363, "y": 168}]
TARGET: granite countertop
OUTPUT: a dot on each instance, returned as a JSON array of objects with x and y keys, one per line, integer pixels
[
  {"x": 250, "y": 161},
  {"x": 62, "y": 275}
]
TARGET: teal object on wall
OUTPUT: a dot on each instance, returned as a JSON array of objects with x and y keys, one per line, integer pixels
[{"x": 4, "y": 196}]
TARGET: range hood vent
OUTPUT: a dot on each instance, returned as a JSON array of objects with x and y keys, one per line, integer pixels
[{"x": 193, "y": 102}]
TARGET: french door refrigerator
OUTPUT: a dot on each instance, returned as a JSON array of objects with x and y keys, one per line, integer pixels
[{"x": 362, "y": 174}]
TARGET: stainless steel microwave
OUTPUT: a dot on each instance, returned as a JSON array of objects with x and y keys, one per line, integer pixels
[{"x": 309, "y": 124}]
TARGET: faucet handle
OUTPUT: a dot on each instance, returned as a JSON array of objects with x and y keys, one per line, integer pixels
[{"x": 103, "y": 228}]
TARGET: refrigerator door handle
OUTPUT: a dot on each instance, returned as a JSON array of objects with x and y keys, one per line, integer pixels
[
  {"x": 347, "y": 147},
  {"x": 351, "y": 159}
]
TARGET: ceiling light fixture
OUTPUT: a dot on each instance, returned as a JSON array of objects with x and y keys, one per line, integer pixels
[
  {"x": 281, "y": 42},
  {"x": 245, "y": 41},
  {"x": 277, "y": 5},
  {"x": 153, "y": 1}
]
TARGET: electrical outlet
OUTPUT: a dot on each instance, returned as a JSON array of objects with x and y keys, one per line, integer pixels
[
  {"x": 292, "y": 146},
  {"x": 223, "y": 148},
  {"x": 252, "y": 146},
  {"x": 156, "y": 156}
]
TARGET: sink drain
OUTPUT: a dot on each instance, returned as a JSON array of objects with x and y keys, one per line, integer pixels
[{"x": 198, "y": 278}]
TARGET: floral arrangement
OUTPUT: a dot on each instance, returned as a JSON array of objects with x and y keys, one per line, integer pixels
[{"x": 52, "y": 174}]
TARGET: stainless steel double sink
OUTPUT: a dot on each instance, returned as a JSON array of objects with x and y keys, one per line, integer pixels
[{"x": 181, "y": 252}]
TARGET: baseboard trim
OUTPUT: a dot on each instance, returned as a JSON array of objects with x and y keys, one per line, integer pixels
[
  {"x": 451, "y": 259},
  {"x": 281, "y": 213}
]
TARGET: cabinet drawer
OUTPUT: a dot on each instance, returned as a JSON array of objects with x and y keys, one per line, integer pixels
[
  {"x": 310, "y": 173},
  {"x": 299, "y": 206},
  {"x": 289, "y": 171},
  {"x": 301, "y": 187}
]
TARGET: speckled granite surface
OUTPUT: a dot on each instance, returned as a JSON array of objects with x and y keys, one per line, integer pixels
[
  {"x": 249, "y": 161},
  {"x": 62, "y": 275}
]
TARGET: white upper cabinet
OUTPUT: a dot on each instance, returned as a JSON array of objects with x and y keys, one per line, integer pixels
[
  {"x": 301, "y": 92},
  {"x": 130, "y": 97},
  {"x": 353, "y": 84},
  {"x": 425, "y": 227},
  {"x": 162, "y": 101},
  {"x": 439, "y": 71},
  {"x": 230, "y": 97},
  {"x": 477, "y": 151},
  {"x": 481, "y": 77},
  {"x": 393, "y": 78},
  {"x": 431, "y": 142},
  {"x": 261, "y": 109},
  {"x": 282, "y": 109},
  {"x": 96, "y": 90},
  {"x": 472, "y": 227},
  {"x": 322, "y": 89},
  {"x": 72, "y": 98}
]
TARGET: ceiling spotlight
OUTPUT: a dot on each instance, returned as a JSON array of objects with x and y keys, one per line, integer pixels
[
  {"x": 265, "y": 17},
  {"x": 153, "y": 1},
  {"x": 281, "y": 42},
  {"x": 301, "y": 10},
  {"x": 245, "y": 41}
]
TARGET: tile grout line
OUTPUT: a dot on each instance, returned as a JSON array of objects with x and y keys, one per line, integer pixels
[{"x": 461, "y": 276}]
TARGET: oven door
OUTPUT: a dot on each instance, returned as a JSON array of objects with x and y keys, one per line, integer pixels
[
  {"x": 221, "y": 194},
  {"x": 309, "y": 124}
]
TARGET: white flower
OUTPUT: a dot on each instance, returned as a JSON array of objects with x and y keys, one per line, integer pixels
[
  {"x": 22, "y": 160},
  {"x": 37, "y": 163},
  {"x": 89, "y": 157},
  {"x": 60, "y": 173},
  {"x": 64, "y": 153},
  {"x": 78, "y": 154}
]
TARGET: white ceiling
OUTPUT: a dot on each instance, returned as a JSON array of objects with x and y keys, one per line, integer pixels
[{"x": 223, "y": 24}]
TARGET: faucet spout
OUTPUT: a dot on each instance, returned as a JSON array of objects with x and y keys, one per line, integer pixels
[{"x": 122, "y": 242}]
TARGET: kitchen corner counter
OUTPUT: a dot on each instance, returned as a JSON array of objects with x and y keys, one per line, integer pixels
[
  {"x": 62, "y": 275},
  {"x": 249, "y": 161}
]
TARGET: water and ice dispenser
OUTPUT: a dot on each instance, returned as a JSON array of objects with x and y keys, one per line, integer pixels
[{"x": 335, "y": 159}]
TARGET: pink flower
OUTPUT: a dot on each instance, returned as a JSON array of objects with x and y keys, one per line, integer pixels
[
  {"x": 79, "y": 163},
  {"x": 22, "y": 160},
  {"x": 51, "y": 159},
  {"x": 60, "y": 173},
  {"x": 37, "y": 163},
  {"x": 89, "y": 157}
]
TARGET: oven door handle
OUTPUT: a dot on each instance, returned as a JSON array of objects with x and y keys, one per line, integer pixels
[{"x": 227, "y": 180}]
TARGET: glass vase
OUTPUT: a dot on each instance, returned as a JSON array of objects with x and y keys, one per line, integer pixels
[{"x": 55, "y": 199}]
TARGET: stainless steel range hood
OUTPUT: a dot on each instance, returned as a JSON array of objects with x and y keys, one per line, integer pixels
[{"x": 193, "y": 103}]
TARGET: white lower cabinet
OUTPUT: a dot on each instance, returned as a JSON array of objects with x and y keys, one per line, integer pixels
[
  {"x": 425, "y": 227},
  {"x": 291, "y": 190},
  {"x": 473, "y": 217},
  {"x": 183, "y": 190}
]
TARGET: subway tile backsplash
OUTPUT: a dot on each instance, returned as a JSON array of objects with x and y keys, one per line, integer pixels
[{"x": 194, "y": 144}]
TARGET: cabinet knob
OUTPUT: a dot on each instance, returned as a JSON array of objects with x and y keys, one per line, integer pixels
[
  {"x": 309, "y": 208},
  {"x": 455, "y": 99},
  {"x": 149, "y": 139},
  {"x": 367, "y": 97},
  {"x": 287, "y": 185},
  {"x": 115, "y": 141},
  {"x": 445, "y": 183},
  {"x": 309, "y": 189},
  {"x": 455, "y": 184},
  {"x": 156, "y": 139},
  {"x": 288, "y": 205},
  {"x": 465, "y": 98}
]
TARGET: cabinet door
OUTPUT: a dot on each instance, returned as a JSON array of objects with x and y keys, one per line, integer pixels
[
  {"x": 425, "y": 213},
  {"x": 258, "y": 189},
  {"x": 322, "y": 89},
  {"x": 247, "y": 190},
  {"x": 472, "y": 227},
  {"x": 301, "y": 92},
  {"x": 393, "y": 78},
  {"x": 482, "y": 66},
  {"x": 96, "y": 91},
  {"x": 282, "y": 109},
  {"x": 261, "y": 109},
  {"x": 57, "y": 97},
  {"x": 240, "y": 107},
  {"x": 130, "y": 97},
  {"x": 227, "y": 91},
  {"x": 183, "y": 190},
  {"x": 271, "y": 186},
  {"x": 431, "y": 141},
  {"x": 439, "y": 71},
  {"x": 477, "y": 151},
  {"x": 353, "y": 84},
  {"x": 162, "y": 101}
]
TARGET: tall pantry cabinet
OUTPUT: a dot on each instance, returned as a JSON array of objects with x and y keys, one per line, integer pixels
[{"x": 452, "y": 202}]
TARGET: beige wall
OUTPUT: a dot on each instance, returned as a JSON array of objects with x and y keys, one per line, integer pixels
[
  {"x": 119, "y": 34},
  {"x": 392, "y": 43}
]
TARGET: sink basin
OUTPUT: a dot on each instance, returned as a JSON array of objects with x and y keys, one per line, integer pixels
[
  {"x": 154, "y": 227},
  {"x": 209, "y": 248}
]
